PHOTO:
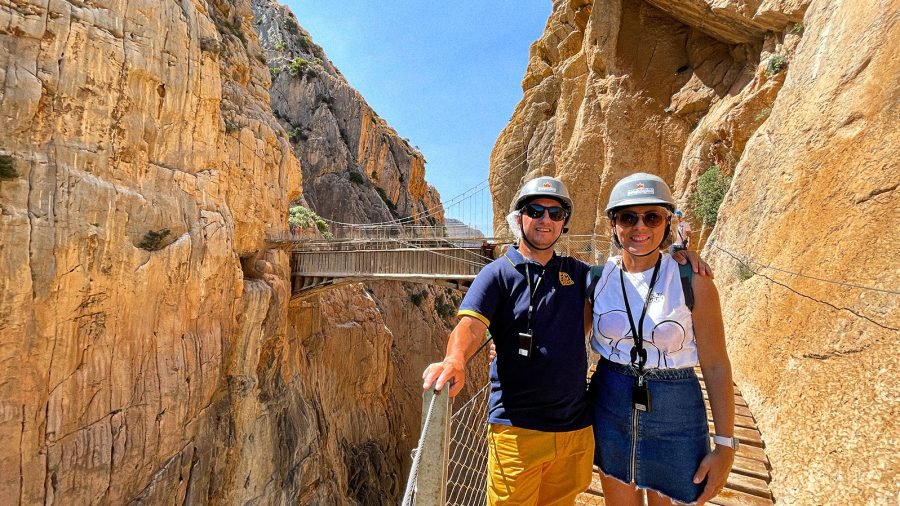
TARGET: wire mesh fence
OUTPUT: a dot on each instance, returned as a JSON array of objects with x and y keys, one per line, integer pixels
[{"x": 468, "y": 451}]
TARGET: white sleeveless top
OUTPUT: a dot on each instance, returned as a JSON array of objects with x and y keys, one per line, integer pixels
[{"x": 668, "y": 328}]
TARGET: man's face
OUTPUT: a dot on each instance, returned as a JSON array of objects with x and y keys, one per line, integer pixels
[{"x": 542, "y": 231}]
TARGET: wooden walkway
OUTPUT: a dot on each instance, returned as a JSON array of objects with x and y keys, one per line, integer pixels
[{"x": 748, "y": 483}]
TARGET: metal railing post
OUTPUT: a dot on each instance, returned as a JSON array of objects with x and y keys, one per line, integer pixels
[{"x": 431, "y": 482}]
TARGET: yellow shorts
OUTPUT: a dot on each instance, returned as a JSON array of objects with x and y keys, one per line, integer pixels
[{"x": 528, "y": 467}]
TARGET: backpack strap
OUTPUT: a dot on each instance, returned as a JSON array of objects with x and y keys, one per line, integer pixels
[
  {"x": 687, "y": 278},
  {"x": 596, "y": 273}
]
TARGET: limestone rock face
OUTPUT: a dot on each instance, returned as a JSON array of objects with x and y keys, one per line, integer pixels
[
  {"x": 791, "y": 99},
  {"x": 147, "y": 163},
  {"x": 356, "y": 168},
  {"x": 815, "y": 193}
]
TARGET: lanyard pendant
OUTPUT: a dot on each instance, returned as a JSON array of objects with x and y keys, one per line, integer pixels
[
  {"x": 640, "y": 397},
  {"x": 526, "y": 341}
]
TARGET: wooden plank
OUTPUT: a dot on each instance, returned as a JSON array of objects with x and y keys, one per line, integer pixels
[
  {"x": 729, "y": 497},
  {"x": 749, "y": 485},
  {"x": 752, "y": 452},
  {"x": 739, "y": 420},
  {"x": 747, "y": 436},
  {"x": 751, "y": 467}
]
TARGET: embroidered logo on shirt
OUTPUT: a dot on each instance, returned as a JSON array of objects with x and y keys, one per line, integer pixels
[{"x": 565, "y": 280}]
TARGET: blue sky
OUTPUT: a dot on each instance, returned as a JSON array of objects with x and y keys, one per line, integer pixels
[{"x": 446, "y": 75}]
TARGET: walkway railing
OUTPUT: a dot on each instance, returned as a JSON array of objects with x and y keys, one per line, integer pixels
[{"x": 465, "y": 478}]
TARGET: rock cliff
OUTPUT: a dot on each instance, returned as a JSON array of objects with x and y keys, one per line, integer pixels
[
  {"x": 793, "y": 100},
  {"x": 356, "y": 168},
  {"x": 149, "y": 350}
]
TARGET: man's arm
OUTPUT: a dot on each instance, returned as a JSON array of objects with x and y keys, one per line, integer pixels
[
  {"x": 697, "y": 264},
  {"x": 468, "y": 334}
]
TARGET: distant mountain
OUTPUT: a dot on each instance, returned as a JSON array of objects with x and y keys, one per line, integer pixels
[{"x": 456, "y": 228}]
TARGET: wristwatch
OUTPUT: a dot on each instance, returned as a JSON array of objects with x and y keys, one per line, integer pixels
[{"x": 731, "y": 442}]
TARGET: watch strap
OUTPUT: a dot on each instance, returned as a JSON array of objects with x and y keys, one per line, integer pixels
[{"x": 731, "y": 442}]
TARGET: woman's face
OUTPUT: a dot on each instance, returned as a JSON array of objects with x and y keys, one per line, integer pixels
[{"x": 640, "y": 229}]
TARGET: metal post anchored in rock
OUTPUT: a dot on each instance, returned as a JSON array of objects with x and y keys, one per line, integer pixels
[{"x": 428, "y": 473}]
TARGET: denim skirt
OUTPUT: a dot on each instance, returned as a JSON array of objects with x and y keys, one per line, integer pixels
[{"x": 657, "y": 450}]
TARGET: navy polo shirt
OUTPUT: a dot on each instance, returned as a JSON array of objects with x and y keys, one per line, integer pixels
[{"x": 546, "y": 391}]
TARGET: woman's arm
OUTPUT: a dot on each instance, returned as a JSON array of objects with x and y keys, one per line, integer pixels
[{"x": 710, "y": 334}]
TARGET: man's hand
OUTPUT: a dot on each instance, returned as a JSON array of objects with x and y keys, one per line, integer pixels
[
  {"x": 715, "y": 468},
  {"x": 463, "y": 341},
  {"x": 441, "y": 373},
  {"x": 697, "y": 264}
]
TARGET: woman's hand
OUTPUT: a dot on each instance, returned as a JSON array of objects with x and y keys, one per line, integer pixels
[{"x": 715, "y": 468}]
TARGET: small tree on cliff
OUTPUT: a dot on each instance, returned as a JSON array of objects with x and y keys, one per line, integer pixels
[
  {"x": 711, "y": 188},
  {"x": 303, "y": 218}
]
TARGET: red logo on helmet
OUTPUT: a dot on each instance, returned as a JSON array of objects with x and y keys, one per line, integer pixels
[
  {"x": 639, "y": 186},
  {"x": 548, "y": 186}
]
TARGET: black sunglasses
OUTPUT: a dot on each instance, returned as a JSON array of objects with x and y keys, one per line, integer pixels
[
  {"x": 652, "y": 219},
  {"x": 535, "y": 211}
]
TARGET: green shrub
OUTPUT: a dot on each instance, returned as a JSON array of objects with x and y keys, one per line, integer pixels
[
  {"x": 153, "y": 240},
  {"x": 298, "y": 66},
  {"x": 711, "y": 188},
  {"x": 280, "y": 45},
  {"x": 444, "y": 308},
  {"x": 417, "y": 297},
  {"x": 297, "y": 135},
  {"x": 232, "y": 125},
  {"x": 776, "y": 64},
  {"x": 763, "y": 114},
  {"x": 275, "y": 71},
  {"x": 290, "y": 24},
  {"x": 301, "y": 217},
  {"x": 391, "y": 206},
  {"x": 798, "y": 27},
  {"x": 743, "y": 271},
  {"x": 7, "y": 167},
  {"x": 356, "y": 178}
]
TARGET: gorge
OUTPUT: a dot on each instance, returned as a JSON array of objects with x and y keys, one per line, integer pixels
[{"x": 150, "y": 350}]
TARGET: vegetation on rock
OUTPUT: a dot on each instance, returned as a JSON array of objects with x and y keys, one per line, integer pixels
[
  {"x": 154, "y": 239},
  {"x": 303, "y": 218},
  {"x": 356, "y": 178},
  {"x": 776, "y": 64},
  {"x": 711, "y": 188},
  {"x": 7, "y": 168}
]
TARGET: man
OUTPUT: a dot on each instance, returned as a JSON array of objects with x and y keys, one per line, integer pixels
[
  {"x": 540, "y": 443},
  {"x": 682, "y": 232}
]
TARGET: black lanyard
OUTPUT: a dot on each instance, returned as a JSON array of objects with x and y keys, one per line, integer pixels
[
  {"x": 531, "y": 292},
  {"x": 638, "y": 353}
]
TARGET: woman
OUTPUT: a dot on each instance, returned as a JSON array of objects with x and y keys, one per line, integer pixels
[{"x": 650, "y": 423}]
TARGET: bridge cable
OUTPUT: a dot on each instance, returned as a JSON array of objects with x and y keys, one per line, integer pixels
[{"x": 522, "y": 159}]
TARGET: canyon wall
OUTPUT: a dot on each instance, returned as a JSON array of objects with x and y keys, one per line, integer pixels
[
  {"x": 149, "y": 348},
  {"x": 356, "y": 168},
  {"x": 796, "y": 102}
]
